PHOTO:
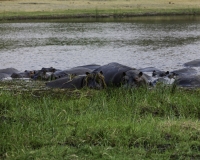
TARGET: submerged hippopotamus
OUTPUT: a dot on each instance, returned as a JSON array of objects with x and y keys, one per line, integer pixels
[
  {"x": 194, "y": 63},
  {"x": 94, "y": 80},
  {"x": 7, "y": 72},
  {"x": 117, "y": 74}
]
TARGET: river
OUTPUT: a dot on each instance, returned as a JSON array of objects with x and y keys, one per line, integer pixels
[{"x": 162, "y": 42}]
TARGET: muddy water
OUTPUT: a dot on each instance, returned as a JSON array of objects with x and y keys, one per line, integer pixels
[{"x": 161, "y": 42}]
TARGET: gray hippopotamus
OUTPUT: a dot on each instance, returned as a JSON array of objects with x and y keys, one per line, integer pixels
[
  {"x": 75, "y": 71},
  {"x": 52, "y": 73},
  {"x": 188, "y": 81},
  {"x": 169, "y": 77},
  {"x": 89, "y": 66},
  {"x": 79, "y": 70},
  {"x": 25, "y": 74},
  {"x": 184, "y": 72},
  {"x": 7, "y": 72},
  {"x": 187, "y": 77},
  {"x": 44, "y": 73},
  {"x": 117, "y": 74},
  {"x": 194, "y": 63},
  {"x": 160, "y": 73},
  {"x": 94, "y": 80}
]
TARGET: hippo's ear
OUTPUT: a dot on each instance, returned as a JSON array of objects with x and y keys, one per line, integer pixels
[
  {"x": 87, "y": 73},
  {"x": 101, "y": 72},
  {"x": 124, "y": 73},
  {"x": 140, "y": 74},
  {"x": 153, "y": 73}
]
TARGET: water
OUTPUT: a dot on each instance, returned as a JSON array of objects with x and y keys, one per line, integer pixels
[{"x": 161, "y": 42}]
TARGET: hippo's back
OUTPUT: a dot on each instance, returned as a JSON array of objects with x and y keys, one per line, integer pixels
[
  {"x": 113, "y": 72},
  {"x": 8, "y": 70}
]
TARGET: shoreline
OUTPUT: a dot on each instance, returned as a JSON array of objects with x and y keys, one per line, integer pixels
[
  {"x": 97, "y": 16},
  {"x": 70, "y": 9}
]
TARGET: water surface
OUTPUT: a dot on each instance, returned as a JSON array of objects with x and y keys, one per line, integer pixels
[{"x": 162, "y": 42}]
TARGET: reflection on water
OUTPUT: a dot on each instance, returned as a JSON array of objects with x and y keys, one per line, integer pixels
[{"x": 165, "y": 43}]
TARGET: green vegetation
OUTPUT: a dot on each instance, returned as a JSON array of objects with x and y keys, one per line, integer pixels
[
  {"x": 96, "y": 13},
  {"x": 115, "y": 123},
  {"x": 51, "y": 9}
]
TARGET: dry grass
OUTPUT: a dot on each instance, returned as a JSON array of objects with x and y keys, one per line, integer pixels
[{"x": 61, "y": 5}]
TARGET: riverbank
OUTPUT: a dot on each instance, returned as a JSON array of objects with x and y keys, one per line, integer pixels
[
  {"x": 39, "y": 123},
  {"x": 62, "y": 9}
]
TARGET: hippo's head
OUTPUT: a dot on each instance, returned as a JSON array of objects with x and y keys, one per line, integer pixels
[
  {"x": 160, "y": 73},
  {"x": 51, "y": 69},
  {"x": 134, "y": 78},
  {"x": 25, "y": 74},
  {"x": 30, "y": 73},
  {"x": 95, "y": 80}
]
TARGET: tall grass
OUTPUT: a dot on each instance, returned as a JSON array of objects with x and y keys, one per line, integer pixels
[{"x": 114, "y": 123}]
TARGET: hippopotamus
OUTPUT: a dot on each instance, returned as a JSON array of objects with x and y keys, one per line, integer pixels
[
  {"x": 184, "y": 72},
  {"x": 58, "y": 82},
  {"x": 52, "y": 73},
  {"x": 4, "y": 75},
  {"x": 94, "y": 80},
  {"x": 188, "y": 81},
  {"x": 116, "y": 74},
  {"x": 148, "y": 69},
  {"x": 89, "y": 66},
  {"x": 160, "y": 73},
  {"x": 169, "y": 77},
  {"x": 194, "y": 63},
  {"x": 181, "y": 77},
  {"x": 44, "y": 73},
  {"x": 74, "y": 71},
  {"x": 25, "y": 74},
  {"x": 187, "y": 77},
  {"x": 7, "y": 72}
]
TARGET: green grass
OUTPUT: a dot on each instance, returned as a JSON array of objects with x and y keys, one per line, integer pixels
[
  {"x": 158, "y": 123},
  {"x": 96, "y": 13},
  {"x": 50, "y": 9}
]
